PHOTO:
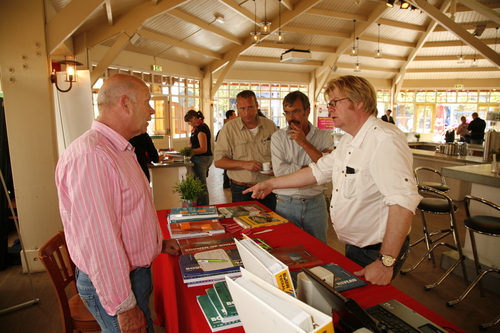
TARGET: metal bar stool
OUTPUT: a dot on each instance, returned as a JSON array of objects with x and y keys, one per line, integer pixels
[
  {"x": 485, "y": 225},
  {"x": 440, "y": 186},
  {"x": 440, "y": 203}
]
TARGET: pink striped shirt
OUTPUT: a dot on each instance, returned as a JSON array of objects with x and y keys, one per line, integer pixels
[{"x": 108, "y": 214}]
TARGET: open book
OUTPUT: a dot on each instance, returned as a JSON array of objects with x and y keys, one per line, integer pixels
[
  {"x": 262, "y": 308},
  {"x": 259, "y": 262}
]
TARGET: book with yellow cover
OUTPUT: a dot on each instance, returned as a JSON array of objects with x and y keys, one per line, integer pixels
[{"x": 260, "y": 220}]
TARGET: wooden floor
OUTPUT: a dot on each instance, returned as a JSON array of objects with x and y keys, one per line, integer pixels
[{"x": 44, "y": 317}]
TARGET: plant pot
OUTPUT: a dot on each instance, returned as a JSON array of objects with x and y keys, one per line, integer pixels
[
  {"x": 187, "y": 159},
  {"x": 188, "y": 203}
]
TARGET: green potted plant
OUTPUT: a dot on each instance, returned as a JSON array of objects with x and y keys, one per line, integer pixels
[
  {"x": 189, "y": 189},
  {"x": 417, "y": 136},
  {"x": 187, "y": 152}
]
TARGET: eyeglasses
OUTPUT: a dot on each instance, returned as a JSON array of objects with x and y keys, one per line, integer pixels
[
  {"x": 334, "y": 102},
  {"x": 294, "y": 112}
]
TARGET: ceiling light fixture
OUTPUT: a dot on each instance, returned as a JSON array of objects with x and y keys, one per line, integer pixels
[
  {"x": 390, "y": 3},
  {"x": 413, "y": 8},
  {"x": 461, "y": 57},
  {"x": 219, "y": 18},
  {"x": 255, "y": 34},
  {"x": 404, "y": 4},
  {"x": 265, "y": 27},
  {"x": 354, "y": 51},
  {"x": 474, "y": 61},
  {"x": 357, "y": 67},
  {"x": 378, "y": 55},
  {"x": 280, "y": 40}
]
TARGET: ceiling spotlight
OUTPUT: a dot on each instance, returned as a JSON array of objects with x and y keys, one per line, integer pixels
[
  {"x": 390, "y": 3},
  {"x": 404, "y": 4},
  {"x": 413, "y": 7},
  {"x": 220, "y": 18},
  {"x": 357, "y": 67}
]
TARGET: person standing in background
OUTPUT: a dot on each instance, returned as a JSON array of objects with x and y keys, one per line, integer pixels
[
  {"x": 145, "y": 151},
  {"x": 293, "y": 148},
  {"x": 374, "y": 193},
  {"x": 462, "y": 130},
  {"x": 387, "y": 117},
  {"x": 201, "y": 143},
  {"x": 476, "y": 128},
  {"x": 230, "y": 114},
  {"x": 244, "y": 144},
  {"x": 110, "y": 221}
]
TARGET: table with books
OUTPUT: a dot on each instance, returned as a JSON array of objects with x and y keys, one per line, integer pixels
[{"x": 176, "y": 302}]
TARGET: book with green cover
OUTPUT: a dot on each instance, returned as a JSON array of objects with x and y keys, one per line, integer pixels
[
  {"x": 212, "y": 317},
  {"x": 221, "y": 310},
  {"x": 225, "y": 298},
  {"x": 260, "y": 220},
  {"x": 241, "y": 210}
]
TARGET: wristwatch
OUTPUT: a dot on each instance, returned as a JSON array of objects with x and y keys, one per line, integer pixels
[{"x": 387, "y": 260}]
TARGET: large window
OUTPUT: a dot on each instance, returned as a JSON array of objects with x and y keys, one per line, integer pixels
[
  {"x": 173, "y": 96},
  {"x": 437, "y": 111},
  {"x": 269, "y": 95}
]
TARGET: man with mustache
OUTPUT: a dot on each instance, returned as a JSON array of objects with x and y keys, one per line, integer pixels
[{"x": 292, "y": 149}]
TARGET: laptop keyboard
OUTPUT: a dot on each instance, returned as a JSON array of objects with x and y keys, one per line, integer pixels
[{"x": 390, "y": 321}]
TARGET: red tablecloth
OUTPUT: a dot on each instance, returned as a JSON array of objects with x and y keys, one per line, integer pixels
[{"x": 177, "y": 310}]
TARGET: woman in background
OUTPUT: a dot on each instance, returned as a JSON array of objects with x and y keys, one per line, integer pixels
[{"x": 201, "y": 143}]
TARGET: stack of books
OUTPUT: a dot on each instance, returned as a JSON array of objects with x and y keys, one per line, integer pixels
[
  {"x": 192, "y": 222},
  {"x": 218, "y": 307},
  {"x": 206, "y": 260},
  {"x": 241, "y": 210},
  {"x": 260, "y": 220}
]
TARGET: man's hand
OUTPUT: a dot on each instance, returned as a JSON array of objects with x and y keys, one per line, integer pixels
[
  {"x": 260, "y": 190},
  {"x": 132, "y": 321},
  {"x": 253, "y": 166},
  {"x": 171, "y": 247},
  {"x": 376, "y": 273},
  {"x": 297, "y": 134}
]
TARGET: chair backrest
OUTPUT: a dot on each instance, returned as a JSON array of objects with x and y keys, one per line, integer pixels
[
  {"x": 427, "y": 169},
  {"x": 61, "y": 269},
  {"x": 469, "y": 198}
]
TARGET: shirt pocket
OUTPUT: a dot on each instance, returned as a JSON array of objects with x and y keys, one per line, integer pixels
[
  {"x": 241, "y": 149},
  {"x": 350, "y": 186}
]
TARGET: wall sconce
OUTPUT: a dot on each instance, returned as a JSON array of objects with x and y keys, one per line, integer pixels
[{"x": 70, "y": 73}]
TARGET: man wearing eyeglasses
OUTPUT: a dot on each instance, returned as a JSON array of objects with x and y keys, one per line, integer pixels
[
  {"x": 294, "y": 148},
  {"x": 374, "y": 194},
  {"x": 243, "y": 145}
]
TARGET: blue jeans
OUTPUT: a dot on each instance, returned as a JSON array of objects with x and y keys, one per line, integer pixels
[
  {"x": 200, "y": 171},
  {"x": 364, "y": 256},
  {"x": 309, "y": 214},
  {"x": 237, "y": 196},
  {"x": 142, "y": 286}
]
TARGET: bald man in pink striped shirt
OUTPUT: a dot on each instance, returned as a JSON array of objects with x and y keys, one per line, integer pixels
[{"x": 109, "y": 218}]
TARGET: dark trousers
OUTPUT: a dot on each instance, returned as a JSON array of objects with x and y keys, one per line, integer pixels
[{"x": 237, "y": 196}]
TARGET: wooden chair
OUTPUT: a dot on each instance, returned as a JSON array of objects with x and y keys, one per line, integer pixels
[{"x": 61, "y": 269}]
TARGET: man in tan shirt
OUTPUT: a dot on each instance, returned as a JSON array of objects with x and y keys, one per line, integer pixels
[{"x": 242, "y": 146}]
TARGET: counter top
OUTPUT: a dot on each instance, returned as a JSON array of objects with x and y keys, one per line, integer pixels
[
  {"x": 479, "y": 174},
  {"x": 450, "y": 158},
  {"x": 169, "y": 164}
]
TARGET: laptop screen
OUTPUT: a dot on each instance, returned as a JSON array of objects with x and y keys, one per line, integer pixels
[{"x": 351, "y": 314}]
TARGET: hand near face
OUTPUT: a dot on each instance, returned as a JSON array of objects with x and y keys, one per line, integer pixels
[{"x": 297, "y": 134}]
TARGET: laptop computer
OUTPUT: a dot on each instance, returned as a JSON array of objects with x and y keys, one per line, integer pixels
[{"x": 390, "y": 316}]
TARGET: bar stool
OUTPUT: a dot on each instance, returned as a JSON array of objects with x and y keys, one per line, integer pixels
[
  {"x": 485, "y": 225},
  {"x": 439, "y": 203},
  {"x": 441, "y": 186},
  {"x": 438, "y": 186}
]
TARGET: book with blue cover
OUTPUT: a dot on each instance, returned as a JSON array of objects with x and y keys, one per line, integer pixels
[
  {"x": 344, "y": 280},
  {"x": 190, "y": 213},
  {"x": 210, "y": 264}
]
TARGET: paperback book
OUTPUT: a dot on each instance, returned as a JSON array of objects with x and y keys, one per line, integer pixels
[
  {"x": 343, "y": 279},
  {"x": 295, "y": 256},
  {"x": 213, "y": 319},
  {"x": 190, "y": 213},
  {"x": 195, "y": 228},
  {"x": 226, "y": 300},
  {"x": 209, "y": 264},
  {"x": 260, "y": 220},
  {"x": 205, "y": 243},
  {"x": 242, "y": 210},
  {"x": 219, "y": 307}
]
